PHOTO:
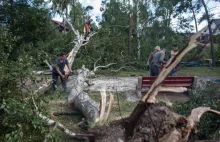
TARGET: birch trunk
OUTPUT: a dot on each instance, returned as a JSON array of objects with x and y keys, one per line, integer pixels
[
  {"x": 138, "y": 34},
  {"x": 81, "y": 100}
]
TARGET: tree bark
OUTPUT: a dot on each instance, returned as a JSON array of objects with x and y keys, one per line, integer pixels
[
  {"x": 130, "y": 33},
  {"x": 81, "y": 100},
  {"x": 138, "y": 35},
  {"x": 210, "y": 34},
  {"x": 194, "y": 17}
]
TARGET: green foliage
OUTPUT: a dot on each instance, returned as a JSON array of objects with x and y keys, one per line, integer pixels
[
  {"x": 20, "y": 52},
  {"x": 209, "y": 123},
  {"x": 18, "y": 120}
]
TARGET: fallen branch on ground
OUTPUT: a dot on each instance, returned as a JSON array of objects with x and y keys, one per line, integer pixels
[
  {"x": 124, "y": 67},
  {"x": 58, "y": 125},
  {"x": 97, "y": 67}
]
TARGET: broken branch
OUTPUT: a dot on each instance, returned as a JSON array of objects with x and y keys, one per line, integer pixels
[
  {"x": 111, "y": 102},
  {"x": 103, "y": 104},
  {"x": 96, "y": 68}
]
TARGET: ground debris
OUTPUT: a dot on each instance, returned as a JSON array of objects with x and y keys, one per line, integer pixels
[{"x": 108, "y": 133}]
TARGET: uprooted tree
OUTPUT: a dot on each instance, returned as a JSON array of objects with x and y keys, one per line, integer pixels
[{"x": 151, "y": 121}]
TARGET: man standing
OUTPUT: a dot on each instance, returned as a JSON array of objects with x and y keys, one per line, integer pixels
[
  {"x": 156, "y": 62},
  {"x": 87, "y": 27},
  {"x": 173, "y": 53},
  {"x": 58, "y": 70},
  {"x": 150, "y": 59}
]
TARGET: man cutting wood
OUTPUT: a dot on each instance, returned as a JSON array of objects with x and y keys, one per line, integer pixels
[{"x": 58, "y": 70}]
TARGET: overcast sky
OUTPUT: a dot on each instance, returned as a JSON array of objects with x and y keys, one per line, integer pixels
[{"x": 214, "y": 6}]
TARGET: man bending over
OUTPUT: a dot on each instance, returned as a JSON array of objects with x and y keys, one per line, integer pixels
[{"x": 58, "y": 70}]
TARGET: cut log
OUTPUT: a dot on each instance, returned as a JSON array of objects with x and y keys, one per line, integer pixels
[
  {"x": 88, "y": 107},
  {"x": 81, "y": 100}
]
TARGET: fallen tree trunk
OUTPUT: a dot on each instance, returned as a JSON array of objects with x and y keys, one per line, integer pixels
[{"x": 80, "y": 100}]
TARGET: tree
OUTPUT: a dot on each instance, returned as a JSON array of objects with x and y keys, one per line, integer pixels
[
  {"x": 61, "y": 7},
  {"x": 210, "y": 33}
]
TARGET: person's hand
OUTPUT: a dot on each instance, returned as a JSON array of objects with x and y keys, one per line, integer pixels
[
  {"x": 63, "y": 77},
  {"x": 70, "y": 72},
  {"x": 148, "y": 67}
]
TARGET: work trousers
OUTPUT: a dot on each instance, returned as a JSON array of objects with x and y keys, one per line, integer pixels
[
  {"x": 55, "y": 79},
  {"x": 154, "y": 70}
]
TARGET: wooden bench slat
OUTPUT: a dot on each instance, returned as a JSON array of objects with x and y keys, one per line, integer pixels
[
  {"x": 168, "y": 78},
  {"x": 169, "y": 82},
  {"x": 171, "y": 85},
  {"x": 190, "y": 80}
]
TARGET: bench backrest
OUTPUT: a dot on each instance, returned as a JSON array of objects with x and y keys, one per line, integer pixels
[{"x": 174, "y": 81}]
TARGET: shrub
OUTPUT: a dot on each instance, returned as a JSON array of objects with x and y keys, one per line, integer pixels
[{"x": 209, "y": 125}]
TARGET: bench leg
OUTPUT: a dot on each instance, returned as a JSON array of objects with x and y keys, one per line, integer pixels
[
  {"x": 194, "y": 85},
  {"x": 139, "y": 87},
  {"x": 139, "y": 94}
]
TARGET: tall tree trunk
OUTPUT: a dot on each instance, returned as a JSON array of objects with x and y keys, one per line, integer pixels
[
  {"x": 74, "y": 13},
  {"x": 130, "y": 33},
  {"x": 138, "y": 35},
  {"x": 64, "y": 21},
  {"x": 195, "y": 20},
  {"x": 210, "y": 34}
]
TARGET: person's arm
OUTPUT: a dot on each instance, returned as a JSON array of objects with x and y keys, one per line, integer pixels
[
  {"x": 149, "y": 59},
  {"x": 58, "y": 71},
  {"x": 68, "y": 65},
  {"x": 161, "y": 57}
]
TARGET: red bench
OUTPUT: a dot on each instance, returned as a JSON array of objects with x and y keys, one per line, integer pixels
[{"x": 144, "y": 83}]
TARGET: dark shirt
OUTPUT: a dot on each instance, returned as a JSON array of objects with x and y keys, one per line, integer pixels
[{"x": 60, "y": 65}]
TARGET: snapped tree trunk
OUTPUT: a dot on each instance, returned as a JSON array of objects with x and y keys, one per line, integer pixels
[{"x": 210, "y": 34}]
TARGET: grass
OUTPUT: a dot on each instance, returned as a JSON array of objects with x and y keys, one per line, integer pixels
[
  {"x": 55, "y": 102},
  {"x": 199, "y": 71},
  {"x": 185, "y": 71}
]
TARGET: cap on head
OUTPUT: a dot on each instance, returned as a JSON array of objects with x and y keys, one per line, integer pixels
[{"x": 157, "y": 48}]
